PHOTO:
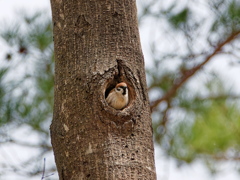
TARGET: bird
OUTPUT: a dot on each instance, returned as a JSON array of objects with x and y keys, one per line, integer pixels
[{"x": 118, "y": 96}]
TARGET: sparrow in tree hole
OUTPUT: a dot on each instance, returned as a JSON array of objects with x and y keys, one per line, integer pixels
[{"x": 118, "y": 96}]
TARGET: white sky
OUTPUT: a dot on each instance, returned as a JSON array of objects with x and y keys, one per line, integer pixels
[{"x": 166, "y": 168}]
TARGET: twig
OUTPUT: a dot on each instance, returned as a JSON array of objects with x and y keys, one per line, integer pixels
[
  {"x": 218, "y": 97},
  {"x": 165, "y": 115},
  {"x": 43, "y": 172},
  {"x": 21, "y": 143},
  {"x": 189, "y": 73},
  {"x": 224, "y": 157}
]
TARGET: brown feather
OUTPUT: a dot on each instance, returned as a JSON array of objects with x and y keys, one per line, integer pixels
[{"x": 121, "y": 84}]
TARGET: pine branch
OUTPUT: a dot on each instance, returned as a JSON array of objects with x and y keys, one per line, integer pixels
[
  {"x": 225, "y": 157},
  {"x": 218, "y": 97},
  {"x": 21, "y": 143},
  {"x": 189, "y": 73}
]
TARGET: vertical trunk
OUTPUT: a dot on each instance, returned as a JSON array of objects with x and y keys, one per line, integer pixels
[{"x": 96, "y": 46}]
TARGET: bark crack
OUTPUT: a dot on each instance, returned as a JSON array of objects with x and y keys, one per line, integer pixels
[{"x": 120, "y": 67}]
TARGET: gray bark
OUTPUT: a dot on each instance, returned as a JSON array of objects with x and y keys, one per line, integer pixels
[{"x": 96, "y": 46}]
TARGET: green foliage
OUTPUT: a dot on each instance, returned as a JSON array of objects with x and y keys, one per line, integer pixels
[
  {"x": 5, "y": 110},
  {"x": 179, "y": 19},
  {"x": 31, "y": 41},
  {"x": 214, "y": 131},
  {"x": 227, "y": 17}
]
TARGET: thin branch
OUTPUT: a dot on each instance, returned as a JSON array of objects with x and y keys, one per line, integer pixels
[
  {"x": 45, "y": 146},
  {"x": 218, "y": 97},
  {"x": 189, "y": 73},
  {"x": 224, "y": 157},
  {"x": 43, "y": 172},
  {"x": 165, "y": 115},
  {"x": 21, "y": 169}
]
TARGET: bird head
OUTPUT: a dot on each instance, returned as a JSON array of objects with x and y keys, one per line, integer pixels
[{"x": 121, "y": 88}]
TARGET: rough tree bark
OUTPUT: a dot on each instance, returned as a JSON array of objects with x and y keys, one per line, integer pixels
[{"x": 96, "y": 46}]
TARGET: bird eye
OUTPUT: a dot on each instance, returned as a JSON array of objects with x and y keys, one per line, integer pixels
[{"x": 118, "y": 89}]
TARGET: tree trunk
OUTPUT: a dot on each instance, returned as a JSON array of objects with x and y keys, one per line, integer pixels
[{"x": 97, "y": 45}]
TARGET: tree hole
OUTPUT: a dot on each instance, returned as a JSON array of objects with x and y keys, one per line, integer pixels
[{"x": 112, "y": 84}]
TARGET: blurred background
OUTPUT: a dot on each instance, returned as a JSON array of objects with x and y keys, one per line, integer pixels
[{"x": 192, "y": 60}]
